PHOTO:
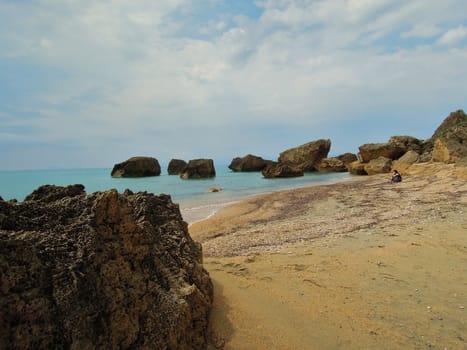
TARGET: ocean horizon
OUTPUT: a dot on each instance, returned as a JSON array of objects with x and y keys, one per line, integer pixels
[{"x": 193, "y": 197}]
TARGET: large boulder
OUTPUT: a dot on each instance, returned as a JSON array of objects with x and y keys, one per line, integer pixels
[
  {"x": 357, "y": 168},
  {"x": 137, "y": 167},
  {"x": 389, "y": 150},
  {"x": 249, "y": 163},
  {"x": 100, "y": 271},
  {"x": 450, "y": 138},
  {"x": 199, "y": 169},
  {"x": 176, "y": 166},
  {"x": 328, "y": 165},
  {"x": 378, "y": 166},
  {"x": 347, "y": 158},
  {"x": 404, "y": 162},
  {"x": 307, "y": 156},
  {"x": 407, "y": 143},
  {"x": 277, "y": 170}
]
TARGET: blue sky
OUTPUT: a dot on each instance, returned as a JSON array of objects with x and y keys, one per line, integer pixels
[{"x": 92, "y": 83}]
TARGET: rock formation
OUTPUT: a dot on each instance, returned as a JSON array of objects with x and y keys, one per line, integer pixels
[
  {"x": 249, "y": 163},
  {"x": 276, "y": 170},
  {"x": 450, "y": 139},
  {"x": 100, "y": 271},
  {"x": 137, "y": 167},
  {"x": 347, "y": 158},
  {"x": 372, "y": 151},
  {"x": 357, "y": 168},
  {"x": 378, "y": 166},
  {"x": 328, "y": 165},
  {"x": 176, "y": 166},
  {"x": 306, "y": 157},
  {"x": 199, "y": 169}
]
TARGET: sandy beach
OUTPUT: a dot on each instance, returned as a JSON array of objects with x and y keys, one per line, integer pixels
[{"x": 361, "y": 264}]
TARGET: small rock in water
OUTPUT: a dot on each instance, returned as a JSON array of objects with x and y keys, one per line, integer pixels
[{"x": 214, "y": 189}]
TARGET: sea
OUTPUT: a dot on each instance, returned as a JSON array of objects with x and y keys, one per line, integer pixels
[{"x": 193, "y": 196}]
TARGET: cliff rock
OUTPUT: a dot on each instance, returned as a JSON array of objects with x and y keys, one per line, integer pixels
[
  {"x": 450, "y": 139},
  {"x": 249, "y": 163},
  {"x": 404, "y": 162},
  {"x": 199, "y": 169},
  {"x": 389, "y": 150},
  {"x": 357, "y": 168},
  {"x": 281, "y": 170},
  {"x": 100, "y": 271},
  {"x": 176, "y": 166},
  {"x": 329, "y": 165},
  {"x": 137, "y": 167},
  {"x": 307, "y": 156},
  {"x": 378, "y": 166},
  {"x": 347, "y": 158}
]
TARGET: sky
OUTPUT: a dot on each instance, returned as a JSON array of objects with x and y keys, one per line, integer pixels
[{"x": 86, "y": 84}]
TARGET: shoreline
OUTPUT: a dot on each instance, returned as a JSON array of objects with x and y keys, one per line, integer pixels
[{"x": 362, "y": 264}]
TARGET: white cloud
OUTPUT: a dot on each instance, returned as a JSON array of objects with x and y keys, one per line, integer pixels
[
  {"x": 453, "y": 36},
  {"x": 422, "y": 31}
]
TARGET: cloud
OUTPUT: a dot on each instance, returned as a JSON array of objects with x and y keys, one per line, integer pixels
[{"x": 150, "y": 75}]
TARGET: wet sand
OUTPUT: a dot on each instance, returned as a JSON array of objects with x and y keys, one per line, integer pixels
[{"x": 363, "y": 264}]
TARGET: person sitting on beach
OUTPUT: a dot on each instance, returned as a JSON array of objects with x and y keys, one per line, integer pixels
[{"x": 396, "y": 177}]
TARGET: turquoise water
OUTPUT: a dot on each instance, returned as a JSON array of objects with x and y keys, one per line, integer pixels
[{"x": 192, "y": 195}]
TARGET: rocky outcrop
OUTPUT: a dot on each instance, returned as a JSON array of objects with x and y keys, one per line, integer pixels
[
  {"x": 347, "y": 158},
  {"x": 306, "y": 157},
  {"x": 176, "y": 166},
  {"x": 450, "y": 139},
  {"x": 404, "y": 162},
  {"x": 357, "y": 168},
  {"x": 328, "y": 165},
  {"x": 378, "y": 166},
  {"x": 137, "y": 167},
  {"x": 249, "y": 163},
  {"x": 407, "y": 143},
  {"x": 277, "y": 170},
  {"x": 100, "y": 271},
  {"x": 199, "y": 169},
  {"x": 372, "y": 151}
]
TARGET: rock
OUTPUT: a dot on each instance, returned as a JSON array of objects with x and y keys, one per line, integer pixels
[
  {"x": 450, "y": 138},
  {"x": 307, "y": 156},
  {"x": 282, "y": 170},
  {"x": 357, "y": 168},
  {"x": 404, "y": 162},
  {"x": 389, "y": 150},
  {"x": 100, "y": 271},
  {"x": 249, "y": 163},
  {"x": 176, "y": 166},
  {"x": 407, "y": 143},
  {"x": 137, "y": 167},
  {"x": 50, "y": 193},
  {"x": 378, "y": 166},
  {"x": 198, "y": 169},
  {"x": 331, "y": 165},
  {"x": 214, "y": 189},
  {"x": 347, "y": 158}
]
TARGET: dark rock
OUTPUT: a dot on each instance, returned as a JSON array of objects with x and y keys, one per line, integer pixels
[
  {"x": 347, "y": 158},
  {"x": 199, "y": 169},
  {"x": 307, "y": 156},
  {"x": 100, "y": 271},
  {"x": 50, "y": 193},
  {"x": 176, "y": 166},
  {"x": 137, "y": 167},
  {"x": 329, "y": 165},
  {"x": 450, "y": 138},
  {"x": 249, "y": 163},
  {"x": 407, "y": 143},
  {"x": 282, "y": 170}
]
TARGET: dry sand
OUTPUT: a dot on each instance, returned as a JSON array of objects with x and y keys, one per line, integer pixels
[{"x": 362, "y": 264}]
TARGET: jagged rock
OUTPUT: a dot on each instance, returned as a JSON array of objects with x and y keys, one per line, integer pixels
[
  {"x": 176, "y": 166},
  {"x": 307, "y": 156},
  {"x": 378, "y": 166},
  {"x": 282, "y": 170},
  {"x": 198, "y": 169},
  {"x": 389, "y": 150},
  {"x": 407, "y": 143},
  {"x": 450, "y": 138},
  {"x": 357, "y": 168},
  {"x": 404, "y": 162},
  {"x": 50, "y": 193},
  {"x": 100, "y": 271},
  {"x": 214, "y": 189},
  {"x": 137, "y": 167},
  {"x": 347, "y": 158},
  {"x": 331, "y": 165},
  {"x": 249, "y": 163}
]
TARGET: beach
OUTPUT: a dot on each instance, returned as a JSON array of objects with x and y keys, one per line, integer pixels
[{"x": 360, "y": 264}]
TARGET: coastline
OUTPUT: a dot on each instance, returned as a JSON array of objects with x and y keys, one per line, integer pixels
[{"x": 359, "y": 264}]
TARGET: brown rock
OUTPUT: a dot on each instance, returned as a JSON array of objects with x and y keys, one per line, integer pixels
[
  {"x": 331, "y": 165},
  {"x": 307, "y": 156},
  {"x": 176, "y": 166},
  {"x": 249, "y": 163},
  {"x": 198, "y": 169},
  {"x": 100, "y": 271},
  {"x": 450, "y": 139},
  {"x": 357, "y": 168},
  {"x": 404, "y": 162},
  {"x": 389, "y": 150},
  {"x": 137, "y": 167},
  {"x": 281, "y": 170},
  {"x": 378, "y": 166},
  {"x": 347, "y": 158}
]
